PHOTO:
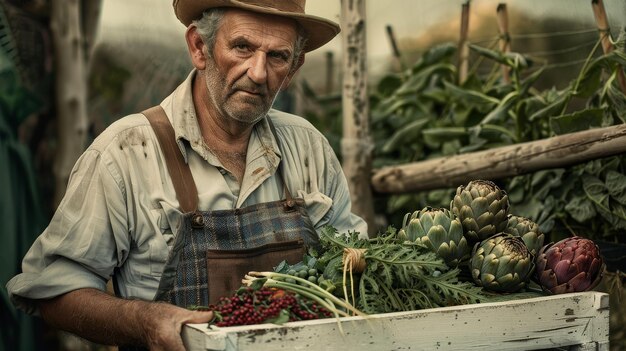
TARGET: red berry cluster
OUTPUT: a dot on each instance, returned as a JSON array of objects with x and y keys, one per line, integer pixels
[{"x": 264, "y": 305}]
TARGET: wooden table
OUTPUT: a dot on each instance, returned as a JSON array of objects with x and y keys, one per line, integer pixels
[{"x": 580, "y": 320}]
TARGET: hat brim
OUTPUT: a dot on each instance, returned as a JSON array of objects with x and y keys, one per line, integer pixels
[{"x": 319, "y": 30}]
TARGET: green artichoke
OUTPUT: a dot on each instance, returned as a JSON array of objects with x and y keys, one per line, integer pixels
[
  {"x": 501, "y": 263},
  {"x": 527, "y": 230},
  {"x": 482, "y": 208},
  {"x": 440, "y": 231},
  {"x": 571, "y": 265}
]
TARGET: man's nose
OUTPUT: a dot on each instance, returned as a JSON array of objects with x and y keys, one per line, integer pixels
[{"x": 258, "y": 67}]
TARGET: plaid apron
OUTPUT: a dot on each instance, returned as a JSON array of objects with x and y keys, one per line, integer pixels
[{"x": 213, "y": 250}]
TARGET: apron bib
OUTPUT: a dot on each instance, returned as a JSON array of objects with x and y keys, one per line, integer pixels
[{"x": 213, "y": 250}]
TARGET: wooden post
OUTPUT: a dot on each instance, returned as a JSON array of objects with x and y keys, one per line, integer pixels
[
  {"x": 448, "y": 172},
  {"x": 90, "y": 20},
  {"x": 394, "y": 47},
  {"x": 505, "y": 39},
  {"x": 463, "y": 44},
  {"x": 298, "y": 96},
  {"x": 330, "y": 72},
  {"x": 356, "y": 144},
  {"x": 71, "y": 89},
  {"x": 605, "y": 36}
]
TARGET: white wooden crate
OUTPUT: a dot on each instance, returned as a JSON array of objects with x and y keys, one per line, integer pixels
[{"x": 579, "y": 319}]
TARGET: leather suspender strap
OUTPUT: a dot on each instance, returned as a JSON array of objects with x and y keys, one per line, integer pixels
[{"x": 179, "y": 171}]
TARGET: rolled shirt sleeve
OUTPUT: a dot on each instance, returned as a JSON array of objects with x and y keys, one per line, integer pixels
[{"x": 80, "y": 247}]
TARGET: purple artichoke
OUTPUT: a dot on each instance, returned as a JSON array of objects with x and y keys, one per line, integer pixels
[{"x": 571, "y": 265}]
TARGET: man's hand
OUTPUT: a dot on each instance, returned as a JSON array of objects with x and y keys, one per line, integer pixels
[
  {"x": 105, "y": 319},
  {"x": 163, "y": 323}
]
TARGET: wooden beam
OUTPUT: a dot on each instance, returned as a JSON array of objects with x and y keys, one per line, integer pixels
[{"x": 449, "y": 172}]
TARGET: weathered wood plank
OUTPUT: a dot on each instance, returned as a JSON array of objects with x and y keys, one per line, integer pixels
[
  {"x": 450, "y": 172},
  {"x": 356, "y": 143},
  {"x": 528, "y": 324}
]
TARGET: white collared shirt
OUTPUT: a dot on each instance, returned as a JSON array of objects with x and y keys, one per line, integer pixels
[{"x": 120, "y": 212}]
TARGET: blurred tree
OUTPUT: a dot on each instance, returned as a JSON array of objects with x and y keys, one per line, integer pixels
[
  {"x": 29, "y": 67},
  {"x": 20, "y": 205}
]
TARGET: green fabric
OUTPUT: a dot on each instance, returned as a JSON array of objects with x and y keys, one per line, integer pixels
[{"x": 20, "y": 208}]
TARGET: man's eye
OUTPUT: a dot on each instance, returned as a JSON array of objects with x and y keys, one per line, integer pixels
[
  {"x": 242, "y": 47},
  {"x": 279, "y": 55}
]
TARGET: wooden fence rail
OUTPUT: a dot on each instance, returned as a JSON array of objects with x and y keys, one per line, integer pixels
[{"x": 448, "y": 172}]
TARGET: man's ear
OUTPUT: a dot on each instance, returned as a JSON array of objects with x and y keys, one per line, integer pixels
[
  {"x": 293, "y": 71},
  {"x": 195, "y": 46}
]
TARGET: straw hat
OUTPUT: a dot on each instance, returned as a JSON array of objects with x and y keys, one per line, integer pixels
[{"x": 319, "y": 30}]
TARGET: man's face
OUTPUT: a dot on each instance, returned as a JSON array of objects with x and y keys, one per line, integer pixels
[{"x": 252, "y": 59}]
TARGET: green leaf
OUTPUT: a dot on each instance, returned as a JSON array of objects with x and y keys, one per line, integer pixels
[
  {"x": 436, "y": 94},
  {"x": 615, "y": 98},
  {"x": 408, "y": 134},
  {"x": 440, "y": 197},
  {"x": 451, "y": 147},
  {"x": 530, "y": 80},
  {"x": 516, "y": 189},
  {"x": 16, "y": 101},
  {"x": 497, "y": 56},
  {"x": 544, "y": 181},
  {"x": 502, "y": 110},
  {"x": 577, "y": 121},
  {"x": 443, "y": 134},
  {"x": 609, "y": 215},
  {"x": 476, "y": 144},
  {"x": 616, "y": 185},
  {"x": 498, "y": 130},
  {"x": 282, "y": 317},
  {"x": 554, "y": 108},
  {"x": 596, "y": 191},
  {"x": 581, "y": 209},
  {"x": 416, "y": 82},
  {"x": 399, "y": 201},
  {"x": 392, "y": 104},
  {"x": 619, "y": 213},
  {"x": 590, "y": 80},
  {"x": 389, "y": 84},
  {"x": 468, "y": 97},
  {"x": 282, "y": 267},
  {"x": 435, "y": 55}
]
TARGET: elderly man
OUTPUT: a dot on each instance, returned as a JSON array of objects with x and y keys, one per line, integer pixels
[{"x": 176, "y": 204}]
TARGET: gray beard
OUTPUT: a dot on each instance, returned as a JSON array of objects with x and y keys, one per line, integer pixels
[{"x": 213, "y": 82}]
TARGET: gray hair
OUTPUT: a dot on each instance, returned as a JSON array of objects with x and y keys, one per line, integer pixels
[{"x": 208, "y": 25}]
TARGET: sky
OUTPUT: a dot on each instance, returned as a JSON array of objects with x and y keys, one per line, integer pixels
[
  {"x": 408, "y": 17},
  {"x": 152, "y": 19}
]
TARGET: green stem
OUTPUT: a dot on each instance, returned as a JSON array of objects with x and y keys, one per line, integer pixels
[
  {"x": 460, "y": 289},
  {"x": 582, "y": 73},
  {"x": 393, "y": 297},
  {"x": 417, "y": 263},
  {"x": 310, "y": 288},
  {"x": 304, "y": 292}
]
